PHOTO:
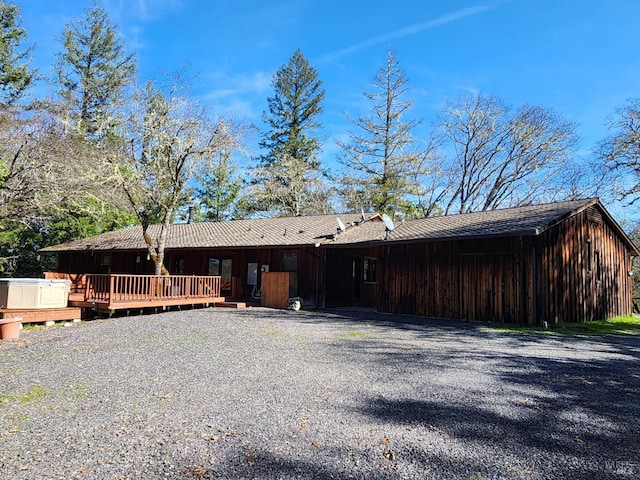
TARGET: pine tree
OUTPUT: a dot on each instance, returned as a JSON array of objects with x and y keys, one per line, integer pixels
[
  {"x": 219, "y": 188},
  {"x": 15, "y": 75},
  {"x": 384, "y": 166},
  {"x": 292, "y": 120},
  {"x": 93, "y": 69}
]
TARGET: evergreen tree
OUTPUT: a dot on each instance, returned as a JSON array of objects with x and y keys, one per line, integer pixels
[
  {"x": 93, "y": 69},
  {"x": 15, "y": 75},
  {"x": 384, "y": 165},
  {"x": 219, "y": 188},
  {"x": 292, "y": 120}
]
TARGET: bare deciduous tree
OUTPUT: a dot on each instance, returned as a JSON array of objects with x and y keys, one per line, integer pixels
[
  {"x": 39, "y": 167},
  {"x": 500, "y": 158},
  {"x": 619, "y": 154},
  {"x": 162, "y": 140}
]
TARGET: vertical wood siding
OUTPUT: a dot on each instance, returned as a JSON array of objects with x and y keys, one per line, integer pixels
[
  {"x": 526, "y": 280},
  {"x": 585, "y": 267},
  {"x": 346, "y": 287}
]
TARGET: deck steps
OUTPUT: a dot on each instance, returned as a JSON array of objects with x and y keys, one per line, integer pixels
[
  {"x": 228, "y": 304},
  {"x": 37, "y": 315}
]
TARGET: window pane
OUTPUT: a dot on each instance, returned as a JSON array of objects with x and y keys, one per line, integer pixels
[
  {"x": 214, "y": 267},
  {"x": 226, "y": 268},
  {"x": 370, "y": 270},
  {"x": 290, "y": 262}
]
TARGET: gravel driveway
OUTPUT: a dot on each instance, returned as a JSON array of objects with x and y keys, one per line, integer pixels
[{"x": 258, "y": 393}]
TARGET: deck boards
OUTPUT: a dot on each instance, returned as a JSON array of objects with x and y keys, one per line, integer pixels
[{"x": 38, "y": 315}]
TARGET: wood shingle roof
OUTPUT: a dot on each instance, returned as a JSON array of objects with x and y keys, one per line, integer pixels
[
  {"x": 280, "y": 231},
  {"x": 323, "y": 229},
  {"x": 527, "y": 220}
]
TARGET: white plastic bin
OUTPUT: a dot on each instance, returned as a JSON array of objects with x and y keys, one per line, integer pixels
[{"x": 28, "y": 293}]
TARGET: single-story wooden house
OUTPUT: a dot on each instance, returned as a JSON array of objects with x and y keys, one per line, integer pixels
[{"x": 566, "y": 261}]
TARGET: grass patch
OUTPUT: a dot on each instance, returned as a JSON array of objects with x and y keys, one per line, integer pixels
[
  {"x": 77, "y": 391},
  {"x": 31, "y": 395},
  {"x": 619, "y": 325},
  {"x": 30, "y": 327},
  {"x": 352, "y": 334},
  {"x": 272, "y": 333}
]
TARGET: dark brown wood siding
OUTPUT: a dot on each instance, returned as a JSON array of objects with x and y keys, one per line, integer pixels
[
  {"x": 475, "y": 280},
  {"x": 575, "y": 271},
  {"x": 345, "y": 283},
  {"x": 583, "y": 271},
  {"x": 305, "y": 275}
]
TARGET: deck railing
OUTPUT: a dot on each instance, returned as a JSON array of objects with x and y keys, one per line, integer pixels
[{"x": 121, "y": 288}]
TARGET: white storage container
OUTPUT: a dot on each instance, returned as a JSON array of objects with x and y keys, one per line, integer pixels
[{"x": 28, "y": 293}]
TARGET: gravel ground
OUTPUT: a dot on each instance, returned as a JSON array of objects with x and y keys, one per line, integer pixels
[{"x": 258, "y": 393}]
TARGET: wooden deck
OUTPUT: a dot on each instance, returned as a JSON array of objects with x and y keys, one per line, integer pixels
[
  {"x": 109, "y": 293},
  {"x": 39, "y": 315}
]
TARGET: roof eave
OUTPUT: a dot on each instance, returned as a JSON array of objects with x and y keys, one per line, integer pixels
[{"x": 596, "y": 202}]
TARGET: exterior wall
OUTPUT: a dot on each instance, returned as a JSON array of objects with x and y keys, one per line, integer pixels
[
  {"x": 583, "y": 271},
  {"x": 576, "y": 271},
  {"x": 474, "y": 280},
  {"x": 346, "y": 283},
  {"x": 493, "y": 281},
  {"x": 306, "y": 270}
]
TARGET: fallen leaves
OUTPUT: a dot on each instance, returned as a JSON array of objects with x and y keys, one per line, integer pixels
[
  {"x": 162, "y": 397},
  {"x": 197, "y": 472},
  {"x": 389, "y": 454}
]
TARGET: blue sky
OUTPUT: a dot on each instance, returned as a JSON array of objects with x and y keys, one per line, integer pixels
[{"x": 578, "y": 57}]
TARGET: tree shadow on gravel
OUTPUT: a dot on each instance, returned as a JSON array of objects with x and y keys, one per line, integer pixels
[
  {"x": 570, "y": 401},
  {"x": 265, "y": 465},
  {"x": 427, "y": 327},
  {"x": 587, "y": 411}
]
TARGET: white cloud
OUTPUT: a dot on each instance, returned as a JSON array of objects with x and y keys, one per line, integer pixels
[
  {"x": 404, "y": 32},
  {"x": 257, "y": 83},
  {"x": 145, "y": 10},
  {"x": 236, "y": 95}
]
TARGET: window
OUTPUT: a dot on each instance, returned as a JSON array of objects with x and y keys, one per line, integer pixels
[
  {"x": 219, "y": 267},
  {"x": 370, "y": 270},
  {"x": 596, "y": 259},
  {"x": 225, "y": 271},
  {"x": 290, "y": 262},
  {"x": 214, "y": 267},
  {"x": 588, "y": 256}
]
